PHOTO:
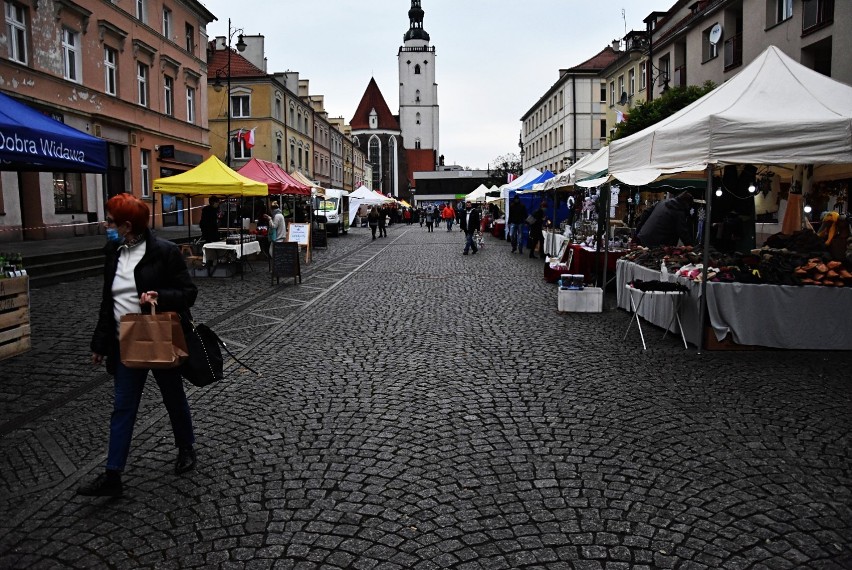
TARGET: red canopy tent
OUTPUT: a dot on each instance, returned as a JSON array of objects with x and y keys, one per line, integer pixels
[{"x": 275, "y": 177}]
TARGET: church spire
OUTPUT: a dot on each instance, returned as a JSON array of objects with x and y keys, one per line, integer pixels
[{"x": 415, "y": 16}]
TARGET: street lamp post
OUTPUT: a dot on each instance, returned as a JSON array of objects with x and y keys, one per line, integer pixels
[
  {"x": 521, "y": 145},
  {"x": 217, "y": 85}
]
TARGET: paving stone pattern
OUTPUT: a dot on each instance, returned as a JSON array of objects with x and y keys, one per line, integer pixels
[{"x": 418, "y": 408}]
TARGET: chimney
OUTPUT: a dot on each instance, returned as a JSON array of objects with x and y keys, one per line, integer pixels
[{"x": 616, "y": 45}]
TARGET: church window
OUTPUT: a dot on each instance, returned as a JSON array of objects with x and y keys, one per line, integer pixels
[
  {"x": 392, "y": 158},
  {"x": 417, "y": 119},
  {"x": 417, "y": 69},
  {"x": 375, "y": 158},
  {"x": 416, "y": 143}
]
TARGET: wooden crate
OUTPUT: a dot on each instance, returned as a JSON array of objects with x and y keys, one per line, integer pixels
[{"x": 14, "y": 316}]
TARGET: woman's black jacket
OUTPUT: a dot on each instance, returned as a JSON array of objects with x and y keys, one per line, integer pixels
[{"x": 161, "y": 269}]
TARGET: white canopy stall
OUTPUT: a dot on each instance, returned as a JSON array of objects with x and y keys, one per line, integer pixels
[{"x": 775, "y": 112}]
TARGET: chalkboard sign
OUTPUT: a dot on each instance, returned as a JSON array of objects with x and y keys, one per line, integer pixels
[
  {"x": 319, "y": 238},
  {"x": 299, "y": 233},
  {"x": 285, "y": 261}
]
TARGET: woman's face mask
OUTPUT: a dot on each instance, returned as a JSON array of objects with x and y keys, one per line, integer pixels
[{"x": 113, "y": 236}]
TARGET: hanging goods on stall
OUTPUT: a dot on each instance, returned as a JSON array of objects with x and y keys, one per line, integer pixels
[{"x": 153, "y": 340}]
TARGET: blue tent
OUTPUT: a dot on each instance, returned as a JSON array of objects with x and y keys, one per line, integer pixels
[
  {"x": 30, "y": 140},
  {"x": 543, "y": 177}
]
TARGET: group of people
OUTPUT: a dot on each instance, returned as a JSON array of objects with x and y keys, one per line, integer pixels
[{"x": 537, "y": 220}]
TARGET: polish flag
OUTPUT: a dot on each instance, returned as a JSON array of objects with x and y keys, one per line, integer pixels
[
  {"x": 248, "y": 137},
  {"x": 510, "y": 177},
  {"x": 239, "y": 135}
]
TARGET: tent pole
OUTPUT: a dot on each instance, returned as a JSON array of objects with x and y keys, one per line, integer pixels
[
  {"x": 706, "y": 260},
  {"x": 242, "y": 248},
  {"x": 189, "y": 217},
  {"x": 606, "y": 237}
]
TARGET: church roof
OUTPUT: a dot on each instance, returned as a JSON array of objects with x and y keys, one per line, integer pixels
[{"x": 373, "y": 99}]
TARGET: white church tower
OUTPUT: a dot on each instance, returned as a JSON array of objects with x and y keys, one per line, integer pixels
[{"x": 418, "y": 92}]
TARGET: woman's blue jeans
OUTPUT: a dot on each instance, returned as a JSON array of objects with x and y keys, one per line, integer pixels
[{"x": 129, "y": 383}]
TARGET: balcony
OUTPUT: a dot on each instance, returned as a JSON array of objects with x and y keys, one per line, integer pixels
[{"x": 734, "y": 52}]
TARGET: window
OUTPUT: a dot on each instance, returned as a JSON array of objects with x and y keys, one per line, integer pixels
[
  {"x": 110, "y": 59},
  {"x": 190, "y": 39},
  {"x": 620, "y": 86},
  {"x": 417, "y": 96},
  {"x": 300, "y": 158},
  {"x": 67, "y": 192},
  {"x": 16, "y": 31},
  {"x": 417, "y": 119},
  {"x": 240, "y": 106},
  {"x": 190, "y": 105},
  {"x": 292, "y": 154},
  {"x": 611, "y": 93},
  {"x": 71, "y": 54},
  {"x": 709, "y": 50},
  {"x": 292, "y": 118},
  {"x": 816, "y": 13},
  {"x": 783, "y": 10},
  {"x": 643, "y": 75},
  {"x": 375, "y": 158},
  {"x": 140, "y": 11},
  {"x": 168, "y": 96},
  {"x": 142, "y": 83},
  {"x": 279, "y": 149},
  {"x": 167, "y": 23},
  {"x": 240, "y": 151},
  {"x": 145, "y": 172},
  {"x": 603, "y": 92},
  {"x": 417, "y": 69},
  {"x": 277, "y": 109},
  {"x": 603, "y": 128},
  {"x": 631, "y": 81}
]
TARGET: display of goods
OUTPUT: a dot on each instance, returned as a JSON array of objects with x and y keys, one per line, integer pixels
[{"x": 826, "y": 273}]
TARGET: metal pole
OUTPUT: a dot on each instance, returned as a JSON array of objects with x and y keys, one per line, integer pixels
[{"x": 706, "y": 261}]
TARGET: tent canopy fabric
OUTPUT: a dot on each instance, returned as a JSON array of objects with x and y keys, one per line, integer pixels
[
  {"x": 477, "y": 195},
  {"x": 210, "y": 178},
  {"x": 773, "y": 112},
  {"x": 537, "y": 183},
  {"x": 530, "y": 174},
  {"x": 275, "y": 177},
  {"x": 301, "y": 178},
  {"x": 32, "y": 141}
]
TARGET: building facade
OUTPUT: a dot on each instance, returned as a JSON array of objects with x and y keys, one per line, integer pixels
[
  {"x": 625, "y": 81},
  {"x": 568, "y": 122},
  {"x": 711, "y": 40},
  {"x": 132, "y": 74}
]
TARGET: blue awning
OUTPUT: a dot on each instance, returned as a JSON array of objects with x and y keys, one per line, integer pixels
[
  {"x": 30, "y": 140},
  {"x": 543, "y": 177}
]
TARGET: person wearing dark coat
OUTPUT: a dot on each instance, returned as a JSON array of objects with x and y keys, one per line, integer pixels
[
  {"x": 517, "y": 217},
  {"x": 469, "y": 220},
  {"x": 140, "y": 269},
  {"x": 537, "y": 230},
  {"x": 209, "y": 222},
  {"x": 668, "y": 223}
]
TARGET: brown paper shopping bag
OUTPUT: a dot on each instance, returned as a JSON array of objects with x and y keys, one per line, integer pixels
[{"x": 152, "y": 341}]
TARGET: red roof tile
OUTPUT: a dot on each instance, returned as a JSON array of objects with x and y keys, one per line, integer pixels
[
  {"x": 240, "y": 66},
  {"x": 373, "y": 99},
  {"x": 605, "y": 57}
]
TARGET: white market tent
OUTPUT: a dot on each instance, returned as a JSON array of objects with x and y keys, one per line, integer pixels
[
  {"x": 364, "y": 195},
  {"x": 774, "y": 112},
  {"x": 477, "y": 195},
  {"x": 586, "y": 166}
]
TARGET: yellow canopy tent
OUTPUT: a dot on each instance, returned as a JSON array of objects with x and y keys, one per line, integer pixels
[
  {"x": 210, "y": 178},
  {"x": 308, "y": 182}
]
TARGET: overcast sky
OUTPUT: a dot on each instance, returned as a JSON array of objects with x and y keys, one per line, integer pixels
[{"x": 494, "y": 58}]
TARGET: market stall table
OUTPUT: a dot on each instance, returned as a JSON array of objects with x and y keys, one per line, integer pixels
[
  {"x": 777, "y": 316},
  {"x": 676, "y": 298},
  {"x": 220, "y": 252}
]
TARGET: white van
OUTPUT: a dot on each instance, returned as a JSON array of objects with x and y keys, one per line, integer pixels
[{"x": 333, "y": 211}]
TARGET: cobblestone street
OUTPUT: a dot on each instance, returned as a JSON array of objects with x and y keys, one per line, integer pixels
[{"x": 418, "y": 408}]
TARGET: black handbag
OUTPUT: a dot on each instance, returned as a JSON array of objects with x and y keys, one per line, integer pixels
[{"x": 205, "y": 364}]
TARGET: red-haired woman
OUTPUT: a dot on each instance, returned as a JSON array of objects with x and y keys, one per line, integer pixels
[{"x": 139, "y": 269}]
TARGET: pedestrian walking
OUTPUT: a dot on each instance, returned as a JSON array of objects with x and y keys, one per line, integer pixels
[
  {"x": 429, "y": 216},
  {"x": 373, "y": 220},
  {"x": 406, "y": 214},
  {"x": 139, "y": 269},
  {"x": 517, "y": 218},
  {"x": 469, "y": 224},
  {"x": 537, "y": 230},
  {"x": 278, "y": 226},
  {"x": 436, "y": 215},
  {"x": 448, "y": 215},
  {"x": 384, "y": 214}
]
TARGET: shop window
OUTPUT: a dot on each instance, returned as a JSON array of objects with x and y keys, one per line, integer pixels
[
  {"x": 16, "y": 32},
  {"x": 67, "y": 192},
  {"x": 145, "y": 172}
]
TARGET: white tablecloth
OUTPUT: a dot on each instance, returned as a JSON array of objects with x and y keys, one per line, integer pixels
[
  {"x": 552, "y": 243},
  {"x": 218, "y": 249}
]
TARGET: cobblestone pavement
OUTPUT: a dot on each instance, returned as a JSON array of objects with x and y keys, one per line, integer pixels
[{"x": 422, "y": 409}]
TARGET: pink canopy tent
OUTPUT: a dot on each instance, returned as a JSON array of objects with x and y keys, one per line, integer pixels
[{"x": 275, "y": 177}]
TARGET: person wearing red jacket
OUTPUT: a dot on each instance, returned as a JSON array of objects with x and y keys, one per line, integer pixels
[{"x": 448, "y": 214}]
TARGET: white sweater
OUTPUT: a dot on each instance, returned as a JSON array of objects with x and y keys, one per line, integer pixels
[{"x": 124, "y": 294}]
